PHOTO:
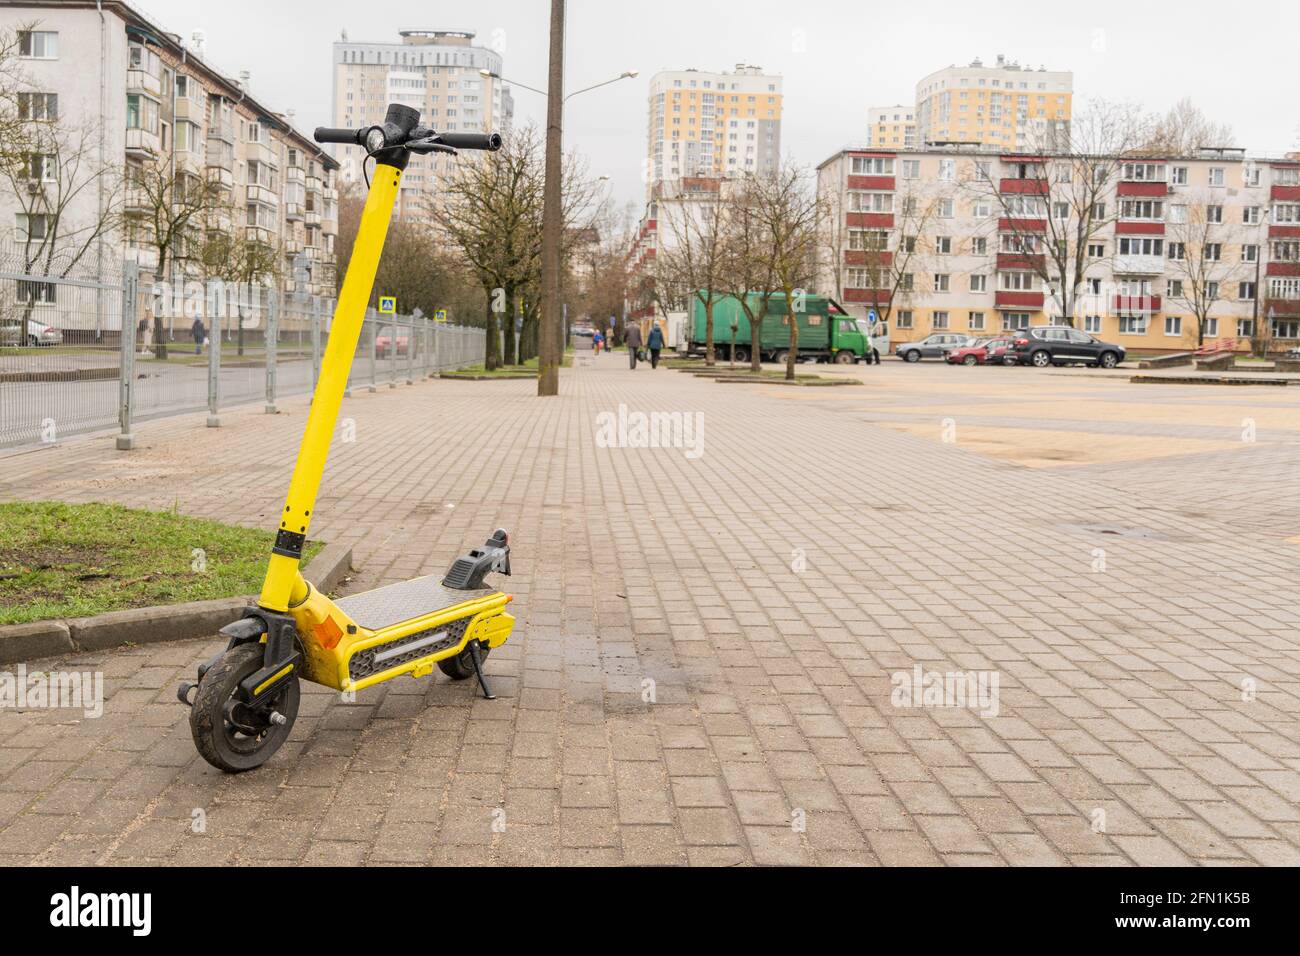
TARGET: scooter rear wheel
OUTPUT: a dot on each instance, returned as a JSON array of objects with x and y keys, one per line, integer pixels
[
  {"x": 461, "y": 667},
  {"x": 221, "y": 743}
]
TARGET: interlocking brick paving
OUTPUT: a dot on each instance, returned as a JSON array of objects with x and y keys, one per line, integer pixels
[{"x": 1148, "y": 693}]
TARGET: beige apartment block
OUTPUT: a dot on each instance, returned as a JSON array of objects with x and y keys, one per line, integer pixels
[
  {"x": 1004, "y": 105},
  {"x": 702, "y": 124},
  {"x": 455, "y": 84},
  {"x": 133, "y": 95},
  {"x": 891, "y": 127}
]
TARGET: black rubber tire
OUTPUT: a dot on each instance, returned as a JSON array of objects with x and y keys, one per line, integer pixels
[
  {"x": 970, "y": 360},
  {"x": 461, "y": 667},
  {"x": 845, "y": 357},
  {"x": 221, "y": 745},
  {"x": 1041, "y": 359},
  {"x": 911, "y": 355},
  {"x": 1108, "y": 360},
  {"x": 782, "y": 357},
  {"x": 742, "y": 355},
  {"x": 1010, "y": 360}
]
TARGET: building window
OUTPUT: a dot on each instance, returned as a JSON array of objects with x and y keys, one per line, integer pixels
[
  {"x": 943, "y": 245},
  {"x": 1141, "y": 246},
  {"x": 941, "y": 282},
  {"x": 872, "y": 166},
  {"x": 911, "y": 169},
  {"x": 1177, "y": 251},
  {"x": 38, "y": 106},
  {"x": 1212, "y": 327},
  {"x": 1173, "y": 325},
  {"x": 979, "y": 246},
  {"x": 1133, "y": 324},
  {"x": 1245, "y": 290},
  {"x": 36, "y": 293},
  {"x": 31, "y": 226},
  {"x": 1016, "y": 281},
  {"x": 977, "y": 321},
  {"x": 1212, "y": 251},
  {"x": 1174, "y": 288},
  {"x": 905, "y": 319},
  {"x": 38, "y": 44},
  {"x": 1178, "y": 176},
  {"x": 979, "y": 283},
  {"x": 1096, "y": 250},
  {"x": 1245, "y": 328},
  {"x": 940, "y": 320},
  {"x": 1216, "y": 176},
  {"x": 1092, "y": 324},
  {"x": 1286, "y": 329},
  {"x": 1250, "y": 215},
  {"x": 1214, "y": 214},
  {"x": 1014, "y": 321}
]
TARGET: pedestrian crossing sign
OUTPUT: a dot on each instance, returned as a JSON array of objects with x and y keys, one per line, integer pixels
[
  {"x": 441, "y": 315},
  {"x": 388, "y": 304}
]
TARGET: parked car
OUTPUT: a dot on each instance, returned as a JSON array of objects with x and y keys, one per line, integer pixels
[
  {"x": 384, "y": 342},
  {"x": 37, "y": 333},
  {"x": 1293, "y": 352},
  {"x": 982, "y": 352},
  {"x": 932, "y": 346},
  {"x": 1062, "y": 345}
]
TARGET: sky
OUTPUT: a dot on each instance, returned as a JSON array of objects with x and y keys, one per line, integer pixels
[{"x": 837, "y": 57}]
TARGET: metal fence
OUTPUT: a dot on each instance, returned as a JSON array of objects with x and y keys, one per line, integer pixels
[{"x": 66, "y": 366}]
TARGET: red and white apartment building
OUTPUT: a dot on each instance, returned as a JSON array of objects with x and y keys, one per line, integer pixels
[{"x": 964, "y": 221}]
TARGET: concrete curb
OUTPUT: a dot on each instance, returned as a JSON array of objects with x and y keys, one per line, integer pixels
[{"x": 149, "y": 625}]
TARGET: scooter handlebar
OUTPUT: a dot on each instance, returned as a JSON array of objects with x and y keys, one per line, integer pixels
[
  {"x": 326, "y": 134},
  {"x": 488, "y": 141}
]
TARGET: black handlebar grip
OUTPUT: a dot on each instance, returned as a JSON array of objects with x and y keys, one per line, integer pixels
[
  {"x": 488, "y": 141},
  {"x": 325, "y": 134}
]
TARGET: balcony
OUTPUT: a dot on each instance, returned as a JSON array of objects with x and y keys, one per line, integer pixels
[
  {"x": 1282, "y": 308},
  {"x": 1003, "y": 299},
  {"x": 293, "y": 211},
  {"x": 262, "y": 153},
  {"x": 142, "y": 81},
  {"x": 295, "y": 174},
  {"x": 195, "y": 111},
  {"x": 311, "y": 217},
  {"x": 144, "y": 257},
  {"x": 260, "y": 194},
  {"x": 1022, "y": 261},
  {"x": 1032, "y": 187},
  {"x": 222, "y": 176},
  {"x": 1140, "y": 265},
  {"x": 315, "y": 183},
  {"x": 258, "y": 234},
  {"x": 1142, "y": 189},
  {"x": 224, "y": 131},
  {"x": 292, "y": 246},
  {"x": 1137, "y": 303},
  {"x": 143, "y": 144}
]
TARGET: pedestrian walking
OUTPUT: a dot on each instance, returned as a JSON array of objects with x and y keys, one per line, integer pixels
[
  {"x": 596, "y": 341},
  {"x": 655, "y": 343},
  {"x": 632, "y": 339},
  {"x": 200, "y": 334}
]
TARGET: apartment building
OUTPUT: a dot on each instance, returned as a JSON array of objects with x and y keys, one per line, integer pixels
[
  {"x": 454, "y": 83},
  {"x": 1006, "y": 105},
  {"x": 702, "y": 124},
  {"x": 953, "y": 239},
  {"x": 131, "y": 96},
  {"x": 891, "y": 127}
]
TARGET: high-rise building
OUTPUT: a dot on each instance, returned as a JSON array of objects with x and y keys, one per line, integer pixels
[
  {"x": 713, "y": 124},
  {"x": 454, "y": 83},
  {"x": 891, "y": 127},
  {"x": 1004, "y": 105}
]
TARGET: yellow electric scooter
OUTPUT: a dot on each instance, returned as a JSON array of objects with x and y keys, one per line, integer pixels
[{"x": 245, "y": 700}]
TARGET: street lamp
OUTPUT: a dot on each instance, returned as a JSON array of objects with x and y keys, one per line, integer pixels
[{"x": 626, "y": 75}]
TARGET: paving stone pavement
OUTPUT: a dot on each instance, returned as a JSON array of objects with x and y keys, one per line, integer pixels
[{"x": 764, "y": 596}]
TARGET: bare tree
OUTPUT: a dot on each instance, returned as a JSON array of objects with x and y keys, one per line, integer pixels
[
  {"x": 691, "y": 265},
  {"x": 789, "y": 216},
  {"x": 1204, "y": 255},
  {"x": 1058, "y": 200},
  {"x": 1183, "y": 130},
  {"x": 749, "y": 262}
]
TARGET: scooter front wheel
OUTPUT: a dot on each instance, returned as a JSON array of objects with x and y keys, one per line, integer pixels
[{"x": 249, "y": 743}]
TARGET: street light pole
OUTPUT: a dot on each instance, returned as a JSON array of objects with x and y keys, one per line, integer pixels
[{"x": 549, "y": 352}]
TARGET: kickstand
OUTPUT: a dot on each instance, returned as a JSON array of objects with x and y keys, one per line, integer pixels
[{"x": 478, "y": 670}]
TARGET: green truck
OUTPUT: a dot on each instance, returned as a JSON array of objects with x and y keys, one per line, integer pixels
[{"x": 827, "y": 332}]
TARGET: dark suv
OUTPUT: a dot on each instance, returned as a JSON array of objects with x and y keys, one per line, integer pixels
[{"x": 1062, "y": 345}]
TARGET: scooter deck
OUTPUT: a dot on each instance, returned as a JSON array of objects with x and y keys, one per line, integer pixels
[{"x": 404, "y": 601}]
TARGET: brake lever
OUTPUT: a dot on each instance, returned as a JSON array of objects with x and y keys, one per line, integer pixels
[{"x": 429, "y": 145}]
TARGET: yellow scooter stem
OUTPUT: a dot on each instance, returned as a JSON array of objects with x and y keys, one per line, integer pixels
[{"x": 284, "y": 585}]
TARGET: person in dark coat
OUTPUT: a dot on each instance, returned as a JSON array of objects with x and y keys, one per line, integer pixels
[
  {"x": 632, "y": 339},
  {"x": 655, "y": 343},
  {"x": 200, "y": 333}
]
